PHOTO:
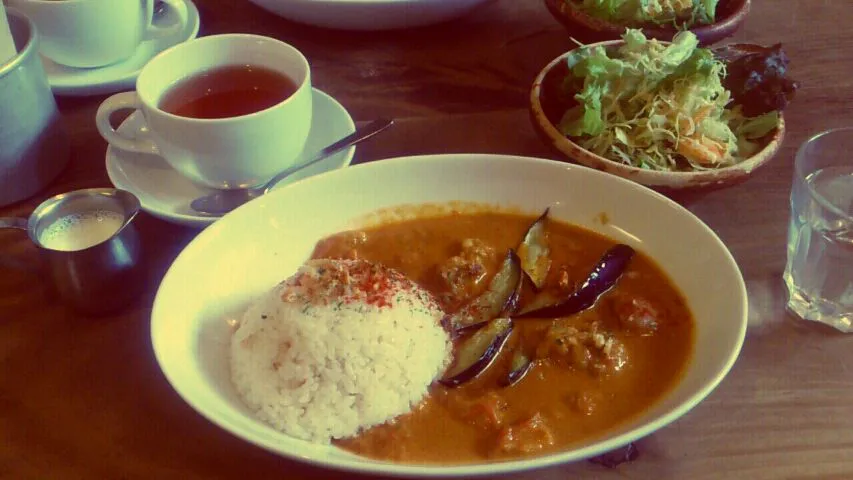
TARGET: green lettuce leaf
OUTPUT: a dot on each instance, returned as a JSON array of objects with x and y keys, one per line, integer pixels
[
  {"x": 757, "y": 127},
  {"x": 639, "y": 12},
  {"x": 705, "y": 11}
]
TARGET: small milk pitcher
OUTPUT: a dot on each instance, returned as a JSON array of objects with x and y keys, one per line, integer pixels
[{"x": 88, "y": 246}]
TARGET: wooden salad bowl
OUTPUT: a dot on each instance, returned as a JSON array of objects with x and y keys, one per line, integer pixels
[
  {"x": 545, "y": 114},
  {"x": 588, "y": 29}
]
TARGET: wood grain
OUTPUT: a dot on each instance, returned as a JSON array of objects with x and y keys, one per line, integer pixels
[{"x": 84, "y": 399}]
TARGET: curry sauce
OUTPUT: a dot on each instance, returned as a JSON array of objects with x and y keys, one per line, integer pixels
[{"x": 592, "y": 371}]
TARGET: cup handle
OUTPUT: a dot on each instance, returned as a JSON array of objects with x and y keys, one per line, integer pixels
[
  {"x": 179, "y": 8},
  {"x": 118, "y": 102}
]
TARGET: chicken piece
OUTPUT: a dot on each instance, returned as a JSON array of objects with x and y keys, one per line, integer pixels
[
  {"x": 465, "y": 274},
  {"x": 587, "y": 347},
  {"x": 530, "y": 435},
  {"x": 635, "y": 314},
  {"x": 613, "y": 357}
]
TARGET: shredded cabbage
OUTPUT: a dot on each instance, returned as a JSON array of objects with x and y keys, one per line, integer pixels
[
  {"x": 658, "y": 107},
  {"x": 680, "y": 12}
]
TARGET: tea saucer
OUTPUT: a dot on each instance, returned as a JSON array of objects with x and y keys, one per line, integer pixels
[
  {"x": 166, "y": 194},
  {"x": 78, "y": 82}
]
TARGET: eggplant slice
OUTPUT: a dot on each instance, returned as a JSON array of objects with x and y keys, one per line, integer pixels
[
  {"x": 606, "y": 273},
  {"x": 477, "y": 352},
  {"x": 519, "y": 367},
  {"x": 467, "y": 329},
  {"x": 500, "y": 298},
  {"x": 534, "y": 251}
]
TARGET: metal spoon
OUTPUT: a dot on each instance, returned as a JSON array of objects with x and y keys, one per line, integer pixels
[{"x": 224, "y": 201}]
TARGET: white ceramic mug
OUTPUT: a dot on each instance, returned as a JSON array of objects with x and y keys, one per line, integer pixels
[
  {"x": 235, "y": 152},
  {"x": 34, "y": 146},
  {"x": 95, "y": 33}
]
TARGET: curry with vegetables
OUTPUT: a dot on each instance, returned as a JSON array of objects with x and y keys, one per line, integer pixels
[{"x": 560, "y": 335}]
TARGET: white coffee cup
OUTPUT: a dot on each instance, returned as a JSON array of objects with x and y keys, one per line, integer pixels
[
  {"x": 95, "y": 33},
  {"x": 235, "y": 152}
]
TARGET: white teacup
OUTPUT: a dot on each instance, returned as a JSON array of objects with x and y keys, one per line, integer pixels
[
  {"x": 95, "y": 33},
  {"x": 234, "y": 152}
]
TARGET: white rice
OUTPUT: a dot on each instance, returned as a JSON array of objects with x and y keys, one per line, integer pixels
[{"x": 340, "y": 346}]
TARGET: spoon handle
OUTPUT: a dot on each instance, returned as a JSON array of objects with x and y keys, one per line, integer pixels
[
  {"x": 13, "y": 222},
  {"x": 362, "y": 133}
]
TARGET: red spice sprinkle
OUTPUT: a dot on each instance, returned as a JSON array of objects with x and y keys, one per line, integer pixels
[{"x": 346, "y": 281}]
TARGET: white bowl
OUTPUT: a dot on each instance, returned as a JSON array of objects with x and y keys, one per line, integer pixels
[
  {"x": 254, "y": 247},
  {"x": 369, "y": 14}
]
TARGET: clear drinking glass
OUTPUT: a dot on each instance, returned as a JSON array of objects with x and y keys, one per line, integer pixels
[{"x": 819, "y": 273}]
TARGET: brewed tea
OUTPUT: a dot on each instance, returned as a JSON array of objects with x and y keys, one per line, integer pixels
[{"x": 228, "y": 91}]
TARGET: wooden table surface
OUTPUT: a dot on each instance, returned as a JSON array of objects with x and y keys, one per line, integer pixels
[{"x": 84, "y": 399}]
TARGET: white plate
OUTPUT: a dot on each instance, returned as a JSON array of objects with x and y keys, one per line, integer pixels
[
  {"x": 254, "y": 247},
  {"x": 166, "y": 194},
  {"x": 369, "y": 14},
  {"x": 120, "y": 76}
]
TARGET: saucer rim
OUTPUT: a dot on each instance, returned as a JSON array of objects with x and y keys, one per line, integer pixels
[
  {"x": 201, "y": 221},
  {"x": 125, "y": 79}
]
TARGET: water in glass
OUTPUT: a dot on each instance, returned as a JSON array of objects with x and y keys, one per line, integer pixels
[{"x": 819, "y": 273}]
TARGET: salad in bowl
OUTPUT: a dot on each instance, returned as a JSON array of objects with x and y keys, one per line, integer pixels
[
  {"x": 597, "y": 20},
  {"x": 664, "y": 107},
  {"x": 685, "y": 13}
]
